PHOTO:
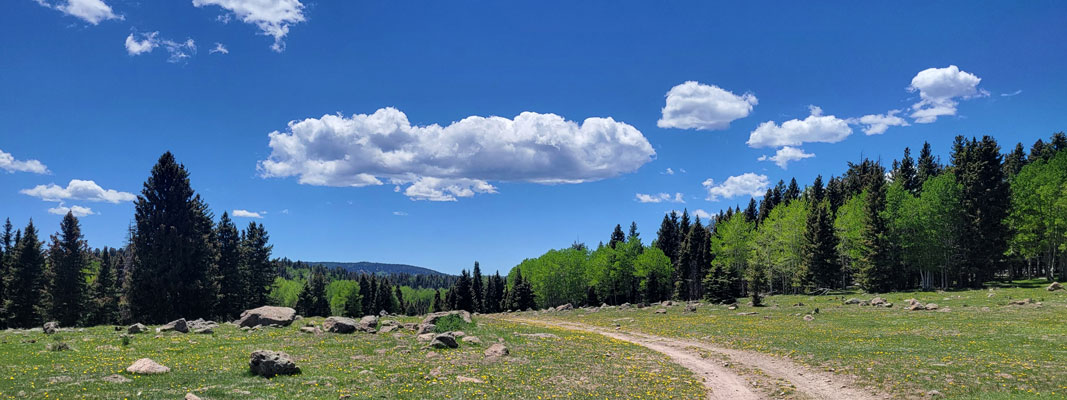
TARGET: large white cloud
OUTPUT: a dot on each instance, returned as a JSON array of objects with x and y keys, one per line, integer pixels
[
  {"x": 659, "y": 198},
  {"x": 939, "y": 90},
  {"x": 749, "y": 183},
  {"x": 272, "y": 17},
  {"x": 815, "y": 128},
  {"x": 78, "y": 211},
  {"x": 877, "y": 124},
  {"x": 10, "y": 164},
  {"x": 693, "y": 105},
  {"x": 443, "y": 163},
  {"x": 91, "y": 11},
  {"x": 785, "y": 155},
  {"x": 78, "y": 189}
]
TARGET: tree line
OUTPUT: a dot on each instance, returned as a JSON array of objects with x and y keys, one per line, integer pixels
[{"x": 918, "y": 224}]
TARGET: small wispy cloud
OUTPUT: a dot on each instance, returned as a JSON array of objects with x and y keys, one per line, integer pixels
[
  {"x": 248, "y": 214},
  {"x": 400, "y": 213},
  {"x": 659, "y": 198},
  {"x": 1015, "y": 93},
  {"x": 220, "y": 49}
]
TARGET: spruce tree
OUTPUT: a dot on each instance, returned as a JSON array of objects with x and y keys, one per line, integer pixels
[
  {"x": 906, "y": 173},
  {"x": 633, "y": 234},
  {"x": 66, "y": 291},
  {"x": 477, "y": 290},
  {"x": 437, "y": 305},
  {"x": 929, "y": 167},
  {"x": 1039, "y": 151},
  {"x": 312, "y": 300},
  {"x": 693, "y": 263},
  {"x": 354, "y": 304},
  {"x": 616, "y": 236},
  {"x": 1015, "y": 161},
  {"x": 874, "y": 266},
  {"x": 24, "y": 280},
  {"x": 385, "y": 299},
  {"x": 105, "y": 292},
  {"x": 6, "y": 252},
  {"x": 171, "y": 275},
  {"x": 399, "y": 298},
  {"x": 232, "y": 285},
  {"x": 462, "y": 299},
  {"x": 986, "y": 200},
  {"x": 751, "y": 212},
  {"x": 791, "y": 193},
  {"x": 366, "y": 295},
  {"x": 820, "y": 244},
  {"x": 667, "y": 237},
  {"x": 258, "y": 271},
  {"x": 765, "y": 206}
]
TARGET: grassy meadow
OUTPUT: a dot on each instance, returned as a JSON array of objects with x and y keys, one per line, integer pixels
[
  {"x": 976, "y": 346},
  {"x": 338, "y": 366}
]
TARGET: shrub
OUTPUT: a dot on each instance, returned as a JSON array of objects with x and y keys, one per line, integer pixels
[{"x": 451, "y": 323}]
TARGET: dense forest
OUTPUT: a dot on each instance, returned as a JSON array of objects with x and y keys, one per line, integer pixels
[
  {"x": 178, "y": 262},
  {"x": 919, "y": 224}
]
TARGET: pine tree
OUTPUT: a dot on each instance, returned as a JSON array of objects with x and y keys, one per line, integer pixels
[
  {"x": 1015, "y": 161},
  {"x": 437, "y": 305},
  {"x": 874, "y": 266},
  {"x": 929, "y": 167},
  {"x": 25, "y": 280},
  {"x": 693, "y": 263},
  {"x": 462, "y": 299},
  {"x": 906, "y": 173},
  {"x": 312, "y": 300},
  {"x": 65, "y": 293},
  {"x": 667, "y": 238},
  {"x": 751, "y": 212},
  {"x": 366, "y": 294},
  {"x": 616, "y": 237},
  {"x": 820, "y": 244},
  {"x": 354, "y": 304},
  {"x": 985, "y": 200},
  {"x": 6, "y": 252},
  {"x": 765, "y": 206},
  {"x": 105, "y": 292},
  {"x": 477, "y": 290},
  {"x": 384, "y": 298},
  {"x": 792, "y": 193},
  {"x": 633, "y": 234},
  {"x": 174, "y": 255},
  {"x": 1039, "y": 151},
  {"x": 258, "y": 271},
  {"x": 232, "y": 285}
]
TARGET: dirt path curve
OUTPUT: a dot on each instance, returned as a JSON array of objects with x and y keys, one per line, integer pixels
[{"x": 722, "y": 382}]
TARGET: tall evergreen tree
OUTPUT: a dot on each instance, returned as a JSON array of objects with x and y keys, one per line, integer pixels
[
  {"x": 907, "y": 174},
  {"x": 521, "y": 295},
  {"x": 667, "y": 236},
  {"x": 6, "y": 251},
  {"x": 258, "y": 271},
  {"x": 24, "y": 280},
  {"x": 985, "y": 200},
  {"x": 399, "y": 299},
  {"x": 875, "y": 264},
  {"x": 765, "y": 206},
  {"x": 461, "y": 298},
  {"x": 105, "y": 292},
  {"x": 477, "y": 290},
  {"x": 792, "y": 192},
  {"x": 616, "y": 236},
  {"x": 65, "y": 294},
  {"x": 633, "y": 234},
  {"x": 366, "y": 294},
  {"x": 693, "y": 263},
  {"x": 232, "y": 285},
  {"x": 1014, "y": 161},
  {"x": 929, "y": 166},
  {"x": 751, "y": 211},
  {"x": 385, "y": 299},
  {"x": 437, "y": 305},
  {"x": 312, "y": 301},
  {"x": 171, "y": 275}
]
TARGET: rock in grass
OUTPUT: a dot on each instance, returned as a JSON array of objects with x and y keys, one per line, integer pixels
[
  {"x": 311, "y": 329},
  {"x": 432, "y": 318},
  {"x": 853, "y": 301},
  {"x": 267, "y": 315},
  {"x": 269, "y": 364},
  {"x": 465, "y": 379},
  {"x": 931, "y": 306},
  {"x": 809, "y": 317},
  {"x": 200, "y": 324},
  {"x": 425, "y": 328},
  {"x": 1054, "y": 287},
  {"x": 497, "y": 350},
  {"x": 388, "y": 328},
  {"x": 136, "y": 328},
  {"x": 178, "y": 325},
  {"x": 116, "y": 378},
  {"x": 340, "y": 325},
  {"x": 425, "y": 337},
  {"x": 471, "y": 340},
  {"x": 661, "y": 311},
  {"x": 1022, "y": 302},
  {"x": 58, "y": 346},
  {"x": 146, "y": 366},
  {"x": 51, "y": 327},
  {"x": 444, "y": 341},
  {"x": 190, "y": 396}
]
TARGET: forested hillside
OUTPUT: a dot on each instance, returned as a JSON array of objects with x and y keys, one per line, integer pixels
[{"x": 914, "y": 224}]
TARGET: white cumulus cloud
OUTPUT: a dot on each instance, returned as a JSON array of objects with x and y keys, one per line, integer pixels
[
  {"x": 91, "y": 11},
  {"x": 940, "y": 90},
  {"x": 694, "y": 105},
  {"x": 785, "y": 155},
  {"x": 815, "y": 128},
  {"x": 147, "y": 43},
  {"x": 272, "y": 17},
  {"x": 78, "y": 211},
  {"x": 10, "y": 164},
  {"x": 247, "y": 214},
  {"x": 443, "y": 163},
  {"x": 78, "y": 189},
  {"x": 749, "y": 183},
  {"x": 660, "y": 198},
  {"x": 877, "y": 124}
]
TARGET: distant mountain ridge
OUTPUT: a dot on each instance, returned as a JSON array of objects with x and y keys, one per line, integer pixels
[{"x": 374, "y": 268}]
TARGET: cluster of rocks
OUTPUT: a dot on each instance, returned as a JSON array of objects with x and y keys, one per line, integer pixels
[
  {"x": 915, "y": 305},
  {"x": 367, "y": 324},
  {"x": 876, "y": 302},
  {"x": 198, "y": 325}
]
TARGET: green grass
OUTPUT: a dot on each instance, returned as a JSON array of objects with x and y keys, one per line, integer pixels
[
  {"x": 983, "y": 348},
  {"x": 357, "y": 365}
]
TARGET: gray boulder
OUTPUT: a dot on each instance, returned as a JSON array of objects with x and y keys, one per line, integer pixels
[
  {"x": 136, "y": 328},
  {"x": 1054, "y": 287},
  {"x": 200, "y": 324},
  {"x": 432, "y": 318},
  {"x": 425, "y": 328},
  {"x": 497, "y": 350},
  {"x": 146, "y": 366},
  {"x": 267, "y": 315},
  {"x": 444, "y": 341},
  {"x": 178, "y": 325},
  {"x": 51, "y": 327},
  {"x": 269, "y": 364},
  {"x": 340, "y": 325}
]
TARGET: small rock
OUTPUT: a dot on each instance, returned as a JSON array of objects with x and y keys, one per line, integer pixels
[
  {"x": 388, "y": 328},
  {"x": 1054, "y": 287},
  {"x": 425, "y": 337},
  {"x": 1023, "y": 302},
  {"x": 58, "y": 346},
  {"x": 464, "y": 379},
  {"x": 539, "y": 335},
  {"x": 471, "y": 340},
  {"x": 690, "y": 308},
  {"x": 748, "y": 313},
  {"x": 204, "y": 331},
  {"x": 444, "y": 341},
  {"x": 565, "y": 307},
  {"x": 178, "y": 325},
  {"x": 340, "y": 325},
  {"x": 425, "y": 328},
  {"x": 853, "y": 301},
  {"x": 51, "y": 327},
  {"x": 878, "y": 301},
  {"x": 661, "y": 311},
  {"x": 269, "y": 364},
  {"x": 311, "y": 329},
  {"x": 146, "y": 366},
  {"x": 931, "y": 306},
  {"x": 809, "y": 317},
  {"x": 732, "y": 307},
  {"x": 136, "y": 328},
  {"x": 497, "y": 350},
  {"x": 190, "y": 396}
]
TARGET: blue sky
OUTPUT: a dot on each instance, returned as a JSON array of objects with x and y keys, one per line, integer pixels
[{"x": 95, "y": 90}]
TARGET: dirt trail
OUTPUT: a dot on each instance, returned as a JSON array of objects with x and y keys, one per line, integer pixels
[{"x": 720, "y": 381}]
